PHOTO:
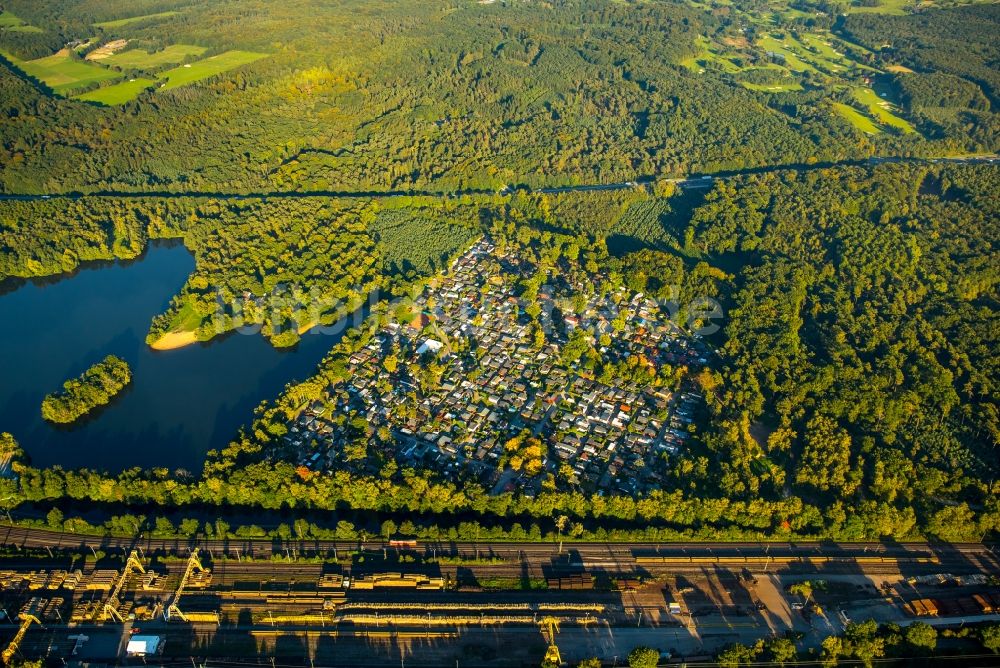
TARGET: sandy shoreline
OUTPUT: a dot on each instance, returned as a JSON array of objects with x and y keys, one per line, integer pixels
[{"x": 173, "y": 340}]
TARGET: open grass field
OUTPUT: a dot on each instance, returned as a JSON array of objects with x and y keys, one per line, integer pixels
[
  {"x": 182, "y": 328},
  {"x": 896, "y": 7},
  {"x": 202, "y": 69},
  {"x": 118, "y": 23},
  {"x": 901, "y": 7},
  {"x": 787, "y": 48},
  {"x": 14, "y": 23},
  {"x": 713, "y": 57},
  {"x": 790, "y": 14},
  {"x": 66, "y": 75},
  {"x": 709, "y": 57},
  {"x": 881, "y": 109},
  {"x": 61, "y": 72},
  {"x": 7, "y": 20},
  {"x": 856, "y": 118},
  {"x": 24, "y": 28},
  {"x": 826, "y": 54},
  {"x": 769, "y": 78},
  {"x": 119, "y": 93},
  {"x": 142, "y": 60},
  {"x": 813, "y": 53},
  {"x": 773, "y": 88}
]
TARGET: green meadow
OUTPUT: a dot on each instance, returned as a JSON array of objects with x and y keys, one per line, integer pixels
[
  {"x": 708, "y": 57},
  {"x": 119, "y": 93},
  {"x": 66, "y": 75},
  {"x": 816, "y": 53},
  {"x": 118, "y": 23},
  {"x": 13, "y": 23},
  {"x": 856, "y": 118},
  {"x": 143, "y": 60},
  {"x": 782, "y": 87},
  {"x": 896, "y": 7},
  {"x": 786, "y": 49},
  {"x": 7, "y": 20},
  {"x": 61, "y": 72},
  {"x": 202, "y": 69},
  {"x": 174, "y": 78},
  {"x": 881, "y": 109},
  {"x": 823, "y": 49},
  {"x": 812, "y": 52}
]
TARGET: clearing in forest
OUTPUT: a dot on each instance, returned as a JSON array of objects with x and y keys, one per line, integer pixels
[
  {"x": 856, "y": 118},
  {"x": 118, "y": 23},
  {"x": 61, "y": 72},
  {"x": 67, "y": 75},
  {"x": 143, "y": 60},
  {"x": 881, "y": 109},
  {"x": 12, "y": 23},
  {"x": 119, "y": 93},
  {"x": 106, "y": 50},
  {"x": 202, "y": 69},
  {"x": 777, "y": 87}
]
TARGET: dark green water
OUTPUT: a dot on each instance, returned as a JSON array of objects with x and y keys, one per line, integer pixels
[{"x": 181, "y": 403}]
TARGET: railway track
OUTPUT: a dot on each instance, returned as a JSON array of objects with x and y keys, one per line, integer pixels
[{"x": 605, "y": 556}]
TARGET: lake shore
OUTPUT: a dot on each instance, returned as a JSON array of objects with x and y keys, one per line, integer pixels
[{"x": 174, "y": 340}]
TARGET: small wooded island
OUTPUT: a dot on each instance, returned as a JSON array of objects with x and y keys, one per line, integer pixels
[{"x": 96, "y": 387}]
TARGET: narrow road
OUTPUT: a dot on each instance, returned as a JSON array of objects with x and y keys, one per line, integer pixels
[{"x": 690, "y": 181}]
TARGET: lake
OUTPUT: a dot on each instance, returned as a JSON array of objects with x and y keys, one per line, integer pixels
[{"x": 181, "y": 403}]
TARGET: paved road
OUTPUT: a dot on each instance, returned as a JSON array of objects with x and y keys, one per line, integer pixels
[{"x": 691, "y": 181}]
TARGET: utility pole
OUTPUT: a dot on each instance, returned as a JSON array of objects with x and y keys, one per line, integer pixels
[{"x": 6, "y": 509}]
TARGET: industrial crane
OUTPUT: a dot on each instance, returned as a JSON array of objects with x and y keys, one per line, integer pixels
[
  {"x": 550, "y": 626},
  {"x": 110, "y": 608},
  {"x": 173, "y": 611},
  {"x": 27, "y": 620}
]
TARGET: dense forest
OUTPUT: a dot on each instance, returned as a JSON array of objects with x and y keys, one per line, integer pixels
[
  {"x": 282, "y": 265},
  {"x": 855, "y": 395},
  {"x": 47, "y": 237},
  {"x": 859, "y": 343},
  {"x": 960, "y": 42},
  {"x": 858, "y": 370},
  {"x": 286, "y": 264},
  {"x": 408, "y": 96},
  {"x": 953, "y": 81}
]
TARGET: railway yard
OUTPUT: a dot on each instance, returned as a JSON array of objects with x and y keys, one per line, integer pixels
[{"x": 401, "y": 602}]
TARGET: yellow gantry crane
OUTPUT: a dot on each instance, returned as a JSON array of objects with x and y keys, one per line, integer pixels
[
  {"x": 26, "y": 621},
  {"x": 550, "y": 626},
  {"x": 110, "y": 608},
  {"x": 173, "y": 611}
]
